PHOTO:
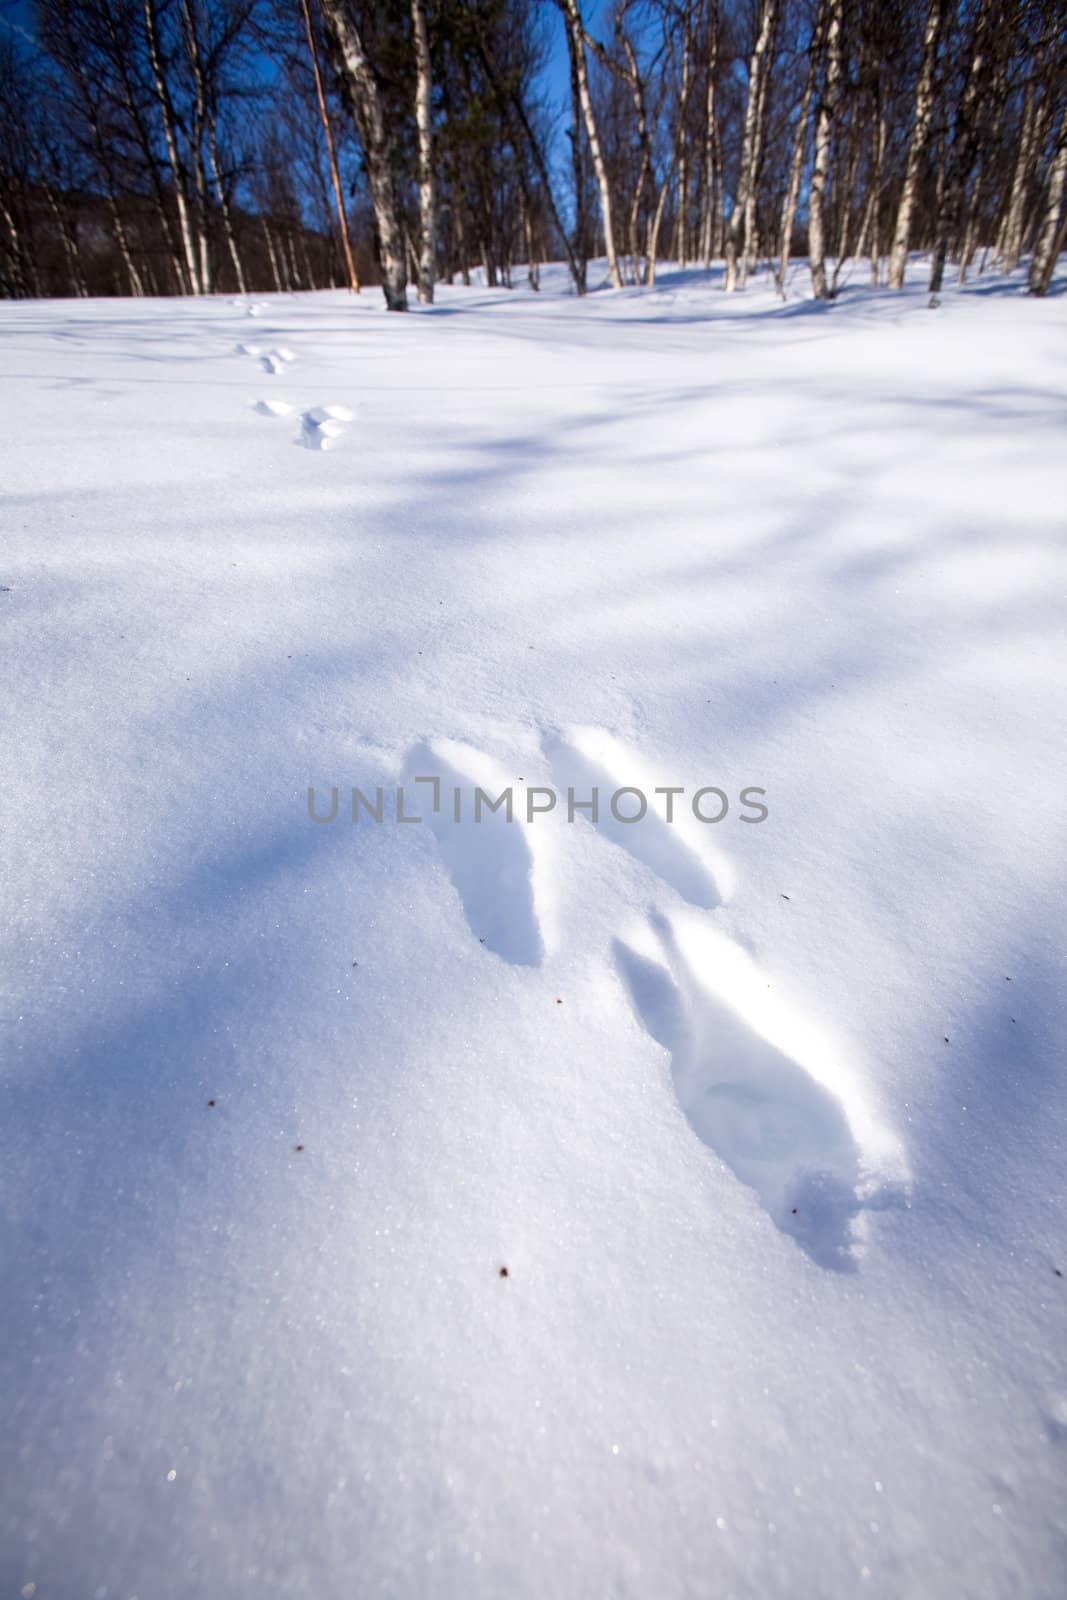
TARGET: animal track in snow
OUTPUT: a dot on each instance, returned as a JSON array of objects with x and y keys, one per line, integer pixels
[
  {"x": 272, "y": 361},
  {"x": 759, "y": 1089},
  {"x": 273, "y": 408},
  {"x": 323, "y": 425},
  {"x": 276, "y": 361},
  {"x": 489, "y": 861},
  {"x": 589, "y": 759},
  {"x": 757, "y": 1084}
]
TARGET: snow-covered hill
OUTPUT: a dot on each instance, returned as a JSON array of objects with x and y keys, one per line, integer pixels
[{"x": 534, "y": 1208}]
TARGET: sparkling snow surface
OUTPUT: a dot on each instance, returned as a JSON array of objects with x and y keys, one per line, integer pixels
[{"x": 765, "y": 1122}]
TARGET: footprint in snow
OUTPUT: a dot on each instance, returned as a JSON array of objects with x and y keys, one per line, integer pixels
[
  {"x": 589, "y": 759},
  {"x": 272, "y": 361},
  {"x": 273, "y": 408},
  {"x": 756, "y": 1083},
  {"x": 760, "y": 1090},
  {"x": 489, "y": 861},
  {"x": 275, "y": 361},
  {"x": 322, "y": 426}
]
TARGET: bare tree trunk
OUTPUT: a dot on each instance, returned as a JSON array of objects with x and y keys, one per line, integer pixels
[
  {"x": 362, "y": 87},
  {"x": 847, "y": 204},
  {"x": 309, "y": 274},
  {"x": 871, "y": 235},
  {"x": 1012, "y": 236},
  {"x": 424, "y": 125},
  {"x": 271, "y": 254},
  {"x": 511, "y": 97},
  {"x": 960, "y": 153},
  {"x": 682, "y": 251},
  {"x": 924, "y": 103},
  {"x": 91, "y": 112},
  {"x": 676, "y": 149},
  {"x": 969, "y": 242},
  {"x": 576, "y": 38},
  {"x": 17, "y": 275},
  {"x": 824, "y": 127},
  {"x": 750, "y": 247},
  {"x": 68, "y": 241},
  {"x": 192, "y": 46},
  {"x": 639, "y": 270},
  {"x": 331, "y": 153},
  {"x": 293, "y": 268},
  {"x": 710, "y": 141},
  {"x": 533, "y": 271},
  {"x": 740, "y": 216},
  {"x": 224, "y": 209},
  {"x": 654, "y": 225},
  {"x": 122, "y": 240},
  {"x": 1050, "y": 239},
  {"x": 461, "y": 246},
  {"x": 170, "y": 139},
  {"x": 796, "y": 168}
]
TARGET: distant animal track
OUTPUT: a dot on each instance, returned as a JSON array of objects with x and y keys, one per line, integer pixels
[
  {"x": 272, "y": 361},
  {"x": 322, "y": 426},
  {"x": 276, "y": 361},
  {"x": 755, "y": 1090},
  {"x": 489, "y": 861},
  {"x": 273, "y": 408}
]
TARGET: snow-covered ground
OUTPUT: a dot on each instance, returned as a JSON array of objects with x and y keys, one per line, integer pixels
[{"x": 764, "y": 1121}]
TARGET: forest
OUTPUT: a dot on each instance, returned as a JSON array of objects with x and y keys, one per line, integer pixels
[{"x": 186, "y": 147}]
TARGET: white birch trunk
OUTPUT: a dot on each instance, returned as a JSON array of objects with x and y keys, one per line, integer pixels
[
  {"x": 682, "y": 252},
  {"x": 744, "y": 200},
  {"x": 272, "y": 255},
  {"x": 1050, "y": 239},
  {"x": 824, "y": 127},
  {"x": 924, "y": 105},
  {"x": 224, "y": 209},
  {"x": 709, "y": 138},
  {"x": 122, "y": 239},
  {"x": 170, "y": 139},
  {"x": 750, "y": 241},
  {"x": 796, "y": 168},
  {"x": 1013, "y": 222},
  {"x": 576, "y": 36},
  {"x": 424, "y": 125},
  {"x": 362, "y": 87}
]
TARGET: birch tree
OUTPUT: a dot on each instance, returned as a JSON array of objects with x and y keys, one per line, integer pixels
[
  {"x": 960, "y": 155},
  {"x": 796, "y": 165},
  {"x": 365, "y": 99},
  {"x": 168, "y": 122},
  {"x": 162, "y": 146},
  {"x": 1011, "y": 236},
  {"x": 424, "y": 127},
  {"x": 331, "y": 151},
  {"x": 1053, "y": 219},
  {"x": 738, "y": 233},
  {"x": 824, "y": 127},
  {"x": 712, "y": 159},
  {"x": 924, "y": 104},
  {"x": 576, "y": 40}
]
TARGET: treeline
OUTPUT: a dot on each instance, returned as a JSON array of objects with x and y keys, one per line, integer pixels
[{"x": 192, "y": 146}]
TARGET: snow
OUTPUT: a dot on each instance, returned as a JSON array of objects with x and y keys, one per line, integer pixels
[{"x": 765, "y": 1121}]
